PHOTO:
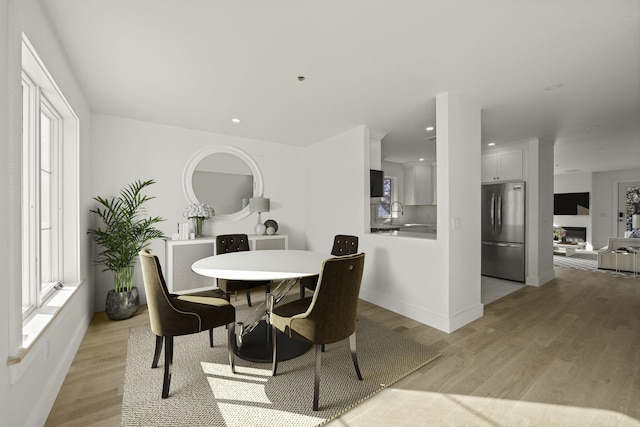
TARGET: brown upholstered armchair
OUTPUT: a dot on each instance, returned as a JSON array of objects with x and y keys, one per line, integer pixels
[
  {"x": 327, "y": 317},
  {"x": 226, "y": 243},
  {"x": 172, "y": 315},
  {"x": 342, "y": 245}
]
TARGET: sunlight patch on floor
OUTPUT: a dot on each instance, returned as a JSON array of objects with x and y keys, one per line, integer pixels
[
  {"x": 246, "y": 391},
  {"x": 437, "y": 409},
  {"x": 246, "y": 385}
]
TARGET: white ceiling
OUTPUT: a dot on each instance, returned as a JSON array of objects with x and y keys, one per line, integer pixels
[{"x": 199, "y": 63}]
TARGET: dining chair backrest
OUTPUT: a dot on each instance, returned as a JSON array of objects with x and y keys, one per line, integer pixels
[
  {"x": 344, "y": 245},
  {"x": 226, "y": 243},
  {"x": 333, "y": 311},
  {"x": 165, "y": 319}
]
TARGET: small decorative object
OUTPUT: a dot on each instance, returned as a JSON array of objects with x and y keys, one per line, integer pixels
[
  {"x": 198, "y": 213},
  {"x": 259, "y": 204},
  {"x": 271, "y": 231},
  {"x": 559, "y": 233},
  {"x": 260, "y": 229},
  {"x": 635, "y": 226},
  {"x": 271, "y": 224},
  {"x": 126, "y": 232}
]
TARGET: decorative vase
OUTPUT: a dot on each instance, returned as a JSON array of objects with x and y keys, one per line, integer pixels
[
  {"x": 122, "y": 305},
  {"x": 260, "y": 229},
  {"x": 197, "y": 225}
]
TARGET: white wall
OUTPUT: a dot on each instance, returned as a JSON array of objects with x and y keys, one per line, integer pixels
[
  {"x": 418, "y": 278},
  {"x": 126, "y": 150},
  {"x": 28, "y": 400},
  {"x": 604, "y": 204},
  {"x": 539, "y": 212},
  {"x": 458, "y": 189},
  {"x": 575, "y": 183}
]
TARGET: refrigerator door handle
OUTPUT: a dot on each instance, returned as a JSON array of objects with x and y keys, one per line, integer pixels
[
  {"x": 493, "y": 209},
  {"x": 500, "y": 212},
  {"x": 502, "y": 245}
]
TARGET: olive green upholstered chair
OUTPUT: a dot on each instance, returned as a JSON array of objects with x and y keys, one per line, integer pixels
[
  {"x": 342, "y": 245},
  {"x": 172, "y": 315},
  {"x": 329, "y": 316},
  {"x": 226, "y": 243}
]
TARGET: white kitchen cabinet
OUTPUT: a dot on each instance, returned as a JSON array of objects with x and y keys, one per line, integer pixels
[
  {"x": 419, "y": 185},
  {"x": 181, "y": 254},
  {"x": 504, "y": 166}
]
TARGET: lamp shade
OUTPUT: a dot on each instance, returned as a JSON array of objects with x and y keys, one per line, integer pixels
[
  {"x": 635, "y": 221},
  {"x": 259, "y": 204}
]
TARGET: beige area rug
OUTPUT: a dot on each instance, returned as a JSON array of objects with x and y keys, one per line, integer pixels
[{"x": 204, "y": 392}]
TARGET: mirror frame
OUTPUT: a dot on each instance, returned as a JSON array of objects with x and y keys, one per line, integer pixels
[{"x": 187, "y": 175}]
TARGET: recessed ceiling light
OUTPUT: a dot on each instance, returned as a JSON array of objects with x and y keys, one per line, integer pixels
[
  {"x": 429, "y": 128},
  {"x": 491, "y": 144},
  {"x": 301, "y": 78},
  {"x": 553, "y": 87},
  {"x": 235, "y": 120},
  {"x": 421, "y": 159}
]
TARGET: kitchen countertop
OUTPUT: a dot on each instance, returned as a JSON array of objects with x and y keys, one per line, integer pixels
[
  {"x": 406, "y": 230},
  {"x": 386, "y": 226}
]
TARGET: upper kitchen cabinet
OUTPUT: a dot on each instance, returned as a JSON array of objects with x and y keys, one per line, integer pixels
[
  {"x": 420, "y": 185},
  {"x": 502, "y": 166}
]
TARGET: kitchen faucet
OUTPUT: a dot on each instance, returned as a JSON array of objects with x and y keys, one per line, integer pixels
[{"x": 392, "y": 211}]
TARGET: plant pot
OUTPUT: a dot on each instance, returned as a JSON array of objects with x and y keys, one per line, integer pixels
[{"x": 122, "y": 305}]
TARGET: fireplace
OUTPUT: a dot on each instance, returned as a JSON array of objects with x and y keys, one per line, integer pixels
[{"x": 575, "y": 234}]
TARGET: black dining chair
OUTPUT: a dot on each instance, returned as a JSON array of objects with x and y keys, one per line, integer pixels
[
  {"x": 342, "y": 245},
  {"x": 173, "y": 315},
  {"x": 329, "y": 316},
  {"x": 227, "y": 243}
]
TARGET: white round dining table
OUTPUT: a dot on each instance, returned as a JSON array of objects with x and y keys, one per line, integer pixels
[
  {"x": 284, "y": 266},
  {"x": 262, "y": 265}
]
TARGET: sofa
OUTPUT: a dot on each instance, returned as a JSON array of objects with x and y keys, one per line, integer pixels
[{"x": 607, "y": 259}]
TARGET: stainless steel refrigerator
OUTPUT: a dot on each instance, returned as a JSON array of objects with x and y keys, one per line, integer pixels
[{"x": 503, "y": 231}]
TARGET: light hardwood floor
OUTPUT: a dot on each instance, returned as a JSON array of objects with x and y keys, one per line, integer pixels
[{"x": 567, "y": 353}]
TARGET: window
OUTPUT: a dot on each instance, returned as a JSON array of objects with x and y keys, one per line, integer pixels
[
  {"x": 388, "y": 191},
  {"x": 49, "y": 185}
]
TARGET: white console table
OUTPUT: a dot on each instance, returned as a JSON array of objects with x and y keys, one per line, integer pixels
[{"x": 181, "y": 254}]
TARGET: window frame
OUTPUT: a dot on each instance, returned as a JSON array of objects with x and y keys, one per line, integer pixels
[
  {"x": 41, "y": 98},
  {"x": 55, "y": 201},
  {"x": 391, "y": 197},
  {"x": 35, "y": 290}
]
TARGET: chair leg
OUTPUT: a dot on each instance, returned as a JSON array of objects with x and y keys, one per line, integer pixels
[
  {"x": 301, "y": 291},
  {"x": 274, "y": 367},
  {"x": 249, "y": 297},
  {"x": 211, "y": 337},
  {"x": 227, "y": 296},
  {"x": 156, "y": 354},
  {"x": 231, "y": 345},
  {"x": 354, "y": 357},
  {"x": 168, "y": 364},
  {"x": 316, "y": 383}
]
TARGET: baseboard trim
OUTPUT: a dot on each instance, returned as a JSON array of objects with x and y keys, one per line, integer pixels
[
  {"x": 542, "y": 279},
  {"x": 429, "y": 318}
]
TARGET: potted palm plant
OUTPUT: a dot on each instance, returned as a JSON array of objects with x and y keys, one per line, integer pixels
[{"x": 127, "y": 231}]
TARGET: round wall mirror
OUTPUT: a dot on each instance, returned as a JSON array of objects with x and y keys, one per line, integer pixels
[{"x": 224, "y": 178}]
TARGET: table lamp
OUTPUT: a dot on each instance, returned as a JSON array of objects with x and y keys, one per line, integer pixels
[{"x": 259, "y": 204}]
